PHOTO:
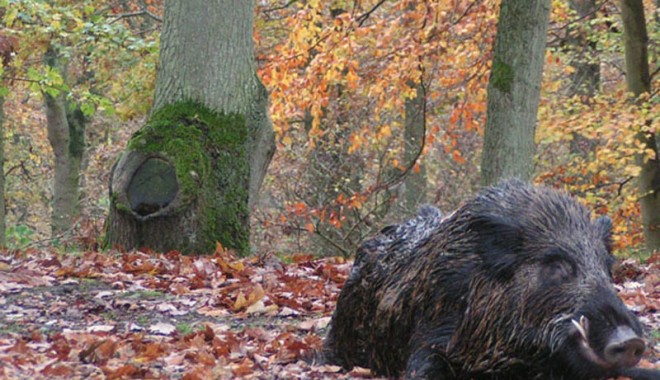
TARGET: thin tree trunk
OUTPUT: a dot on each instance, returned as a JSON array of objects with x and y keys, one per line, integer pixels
[
  {"x": 415, "y": 128},
  {"x": 639, "y": 82},
  {"x": 585, "y": 79},
  {"x": 513, "y": 90},
  {"x": 66, "y": 137},
  {"x": 585, "y": 60}
]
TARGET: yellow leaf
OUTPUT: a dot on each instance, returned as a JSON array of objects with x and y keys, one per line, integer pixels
[
  {"x": 11, "y": 15},
  {"x": 257, "y": 294},
  {"x": 386, "y": 131},
  {"x": 237, "y": 265},
  {"x": 241, "y": 302}
]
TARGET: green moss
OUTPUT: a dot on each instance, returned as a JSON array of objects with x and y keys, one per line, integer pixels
[
  {"x": 76, "y": 121},
  {"x": 184, "y": 328},
  {"x": 211, "y": 165},
  {"x": 502, "y": 76},
  {"x": 120, "y": 206},
  {"x": 11, "y": 328}
]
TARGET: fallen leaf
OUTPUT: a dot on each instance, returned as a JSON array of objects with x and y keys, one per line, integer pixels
[
  {"x": 57, "y": 370},
  {"x": 326, "y": 368},
  {"x": 101, "y": 328},
  {"x": 162, "y": 328}
]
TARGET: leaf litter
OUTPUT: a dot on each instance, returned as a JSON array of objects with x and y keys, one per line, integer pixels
[{"x": 159, "y": 316}]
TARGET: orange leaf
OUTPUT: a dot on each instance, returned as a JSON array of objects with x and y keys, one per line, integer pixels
[
  {"x": 241, "y": 302},
  {"x": 243, "y": 368},
  {"x": 57, "y": 370},
  {"x": 457, "y": 157}
]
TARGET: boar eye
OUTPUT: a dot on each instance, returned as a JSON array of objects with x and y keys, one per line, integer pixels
[{"x": 556, "y": 269}]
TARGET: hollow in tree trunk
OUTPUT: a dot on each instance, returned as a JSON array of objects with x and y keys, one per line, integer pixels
[{"x": 187, "y": 179}]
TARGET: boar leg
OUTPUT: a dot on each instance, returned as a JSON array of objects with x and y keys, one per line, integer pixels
[
  {"x": 428, "y": 359},
  {"x": 428, "y": 363}
]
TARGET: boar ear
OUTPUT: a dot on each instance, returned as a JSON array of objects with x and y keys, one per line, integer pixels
[
  {"x": 499, "y": 241},
  {"x": 604, "y": 230}
]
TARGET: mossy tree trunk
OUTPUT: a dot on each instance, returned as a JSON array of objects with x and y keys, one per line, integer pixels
[
  {"x": 66, "y": 134},
  {"x": 514, "y": 90},
  {"x": 639, "y": 82},
  {"x": 187, "y": 179}
]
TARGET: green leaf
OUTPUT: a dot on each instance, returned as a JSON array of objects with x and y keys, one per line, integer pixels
[
  {"x": 34, "y": 75},
  {"x": 35, "y": 87},
  {"x": 11, "y": 15},
  {"x": 52, "y": 91},
  {"x": 107, "y": 106},
  {"x": 87, "y": 108}
]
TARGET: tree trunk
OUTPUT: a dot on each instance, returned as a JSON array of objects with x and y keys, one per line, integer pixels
[
  {"x": 639, "y": 82},
  {"x": 513, "y": 90},
  {"x": 66, "y": 134},
  {"x": 585, "y": 60},
  {"x": 585, "y": 79},
  {"x": 188, "y": 178},
  {"x": 3, "y": 216},
  {"x": 212, "y": 61},
  {"x": 415, "y": 128}
]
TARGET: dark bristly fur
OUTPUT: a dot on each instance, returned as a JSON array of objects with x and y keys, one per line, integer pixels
[{"x": 491, "y": 291}]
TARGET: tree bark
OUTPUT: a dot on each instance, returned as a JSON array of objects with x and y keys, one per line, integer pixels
[
  {"x": 585, "y": 60},
  {"x": 66, "y": 134},
  {"x": 513, "y": 90},
  {"x": 415, "y": 128},
  {"x": 585, "y": 79},
  {"x": 211, "y": 60},
  {"x": 638, "y": 79},
  {"x": 188, "y": 177}
]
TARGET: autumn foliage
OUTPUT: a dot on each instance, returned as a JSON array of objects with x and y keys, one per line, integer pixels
[
  {"x": 339, "y": 81},
  {"x": 339, "y": 76}
]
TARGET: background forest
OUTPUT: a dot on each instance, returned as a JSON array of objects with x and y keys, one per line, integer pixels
[{"x": 377, "y": 107}]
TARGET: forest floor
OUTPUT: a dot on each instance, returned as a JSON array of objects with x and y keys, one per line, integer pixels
[{"x": 145, "y": 315}]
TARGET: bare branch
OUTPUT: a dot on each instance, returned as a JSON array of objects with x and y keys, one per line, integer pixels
[
  {"x": 275, "y": 9},
  {"x": 363, "y": 17},
  {"x": 143, "y": 12}
]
